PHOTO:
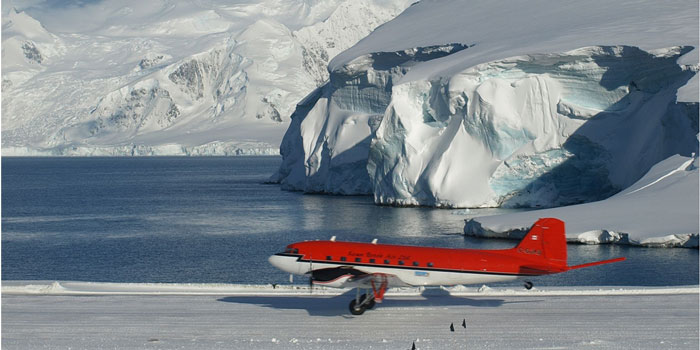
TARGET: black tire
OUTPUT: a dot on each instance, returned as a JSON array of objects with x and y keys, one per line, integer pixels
[
  {"x": 528, "y": 285},
  {"x": 356, "y": 310},
  {"x": 370, "y": 304}
]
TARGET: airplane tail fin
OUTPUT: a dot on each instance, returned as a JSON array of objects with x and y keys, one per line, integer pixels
[{"x": 546, "y": 242}]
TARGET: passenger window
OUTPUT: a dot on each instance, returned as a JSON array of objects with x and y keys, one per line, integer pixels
[
  {"x": 400, "y": 262},
  {"x": 295, "y": 251},
  {"x": 415, "y": 263},
  {"x": 371, "y": 260},
  {"x": 386, "y": 261},
  {"x": 329, "y": 258},
  {"x": 358, "y": 259},
  {"x": 430, "y": 264},
  {"x": 342, "y": 258}
]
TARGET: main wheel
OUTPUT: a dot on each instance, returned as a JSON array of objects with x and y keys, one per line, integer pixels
[
  {"x": 356, "y": 310},
  {"x": 369, "y": 305},
  {"x": 528, "y": 285}
]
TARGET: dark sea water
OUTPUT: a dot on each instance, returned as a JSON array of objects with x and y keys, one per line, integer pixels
[{"x": 213, "y": 220}]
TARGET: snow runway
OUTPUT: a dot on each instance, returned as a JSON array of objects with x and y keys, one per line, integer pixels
[{"x": 145, "y": 316}]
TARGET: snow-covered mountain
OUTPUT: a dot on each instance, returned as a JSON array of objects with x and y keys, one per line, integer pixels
[
  {"x": 168, "y": 77},
  {"x": 501, "y": 103}
]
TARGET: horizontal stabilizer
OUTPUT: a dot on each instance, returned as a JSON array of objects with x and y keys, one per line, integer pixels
[{"x": 596, "y": 263}]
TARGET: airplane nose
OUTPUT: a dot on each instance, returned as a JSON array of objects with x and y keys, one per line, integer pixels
[
  {"x": 275, "y": 261},
  {"x": 285, "y": 263}
]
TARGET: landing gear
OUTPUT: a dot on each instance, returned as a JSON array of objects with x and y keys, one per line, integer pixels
[
  {"x": 361, "y": 303},
  {"x": 366, "y": 301},
  {"x": 356, "y": 309},
  {"x": 370, "y": 303},
  {"x": 528, "y": 285}
]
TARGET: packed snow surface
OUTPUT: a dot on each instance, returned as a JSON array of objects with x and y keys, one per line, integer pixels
[
  {"x": 260, "y": 319},
  {"x": 167, "y": 77},
  {"x": 501, "y": 103},
  {"x": 111, "y": 288},
  {"x": 661, "y": 209}
]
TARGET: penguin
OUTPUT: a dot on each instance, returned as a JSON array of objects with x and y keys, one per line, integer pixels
[
  {"x": 452, "y": 327},
  {"x": 464, "y": 323}
]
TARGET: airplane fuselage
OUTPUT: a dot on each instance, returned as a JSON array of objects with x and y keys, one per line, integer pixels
[{"x": 414, "y": 266}]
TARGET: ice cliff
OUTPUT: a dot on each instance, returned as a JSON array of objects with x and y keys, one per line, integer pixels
[
  {"x": 163, "y": 77},
  {"x": 495, "y": 103},
  {"x": 535, "y": 130},
  {"x": 326, "y": 146}
]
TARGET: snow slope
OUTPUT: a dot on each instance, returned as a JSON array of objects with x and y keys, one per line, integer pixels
[
  {"x": 495, "y": 103},
  {"x": 495, "y": 319},
  {"x": 661, "y": 209},
  {"x": 168, "y": 77}
]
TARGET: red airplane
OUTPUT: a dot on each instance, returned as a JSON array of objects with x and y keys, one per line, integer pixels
[{"x": 376, "y": 267}]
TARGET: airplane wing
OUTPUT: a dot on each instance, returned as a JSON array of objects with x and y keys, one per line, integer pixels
[
  {"x": 350, "y": 277},
  {"x": 378, "y": 282},
  {"x": 370, "y": 280}
]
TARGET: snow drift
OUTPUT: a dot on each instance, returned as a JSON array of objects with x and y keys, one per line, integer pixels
[
  {"x": 166, "y": 77},
  {"x": 661, "y": 209},
  {"x": 501, "y": 104}
]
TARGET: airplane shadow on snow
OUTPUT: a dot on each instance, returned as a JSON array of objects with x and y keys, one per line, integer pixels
[{"x": 319, "y": 305}]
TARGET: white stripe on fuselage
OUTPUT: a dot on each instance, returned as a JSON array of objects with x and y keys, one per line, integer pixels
[{"x": 414, "y": 277}]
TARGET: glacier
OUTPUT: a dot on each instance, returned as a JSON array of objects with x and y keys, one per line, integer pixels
[
  {"x": 168, "y": 78},
  {"x": 488, "y": 104}
]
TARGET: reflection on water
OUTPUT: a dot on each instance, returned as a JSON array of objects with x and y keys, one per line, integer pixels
[{"x": 213, "y": 220}]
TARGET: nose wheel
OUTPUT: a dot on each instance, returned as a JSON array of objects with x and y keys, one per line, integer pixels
[{"x": 528, "y": 285}]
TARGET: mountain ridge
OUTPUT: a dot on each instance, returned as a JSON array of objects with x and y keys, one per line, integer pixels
[{"x": 169, "y": 76}]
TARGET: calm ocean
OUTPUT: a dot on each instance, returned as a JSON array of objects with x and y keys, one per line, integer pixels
[{"x": 213, "y": 220}]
